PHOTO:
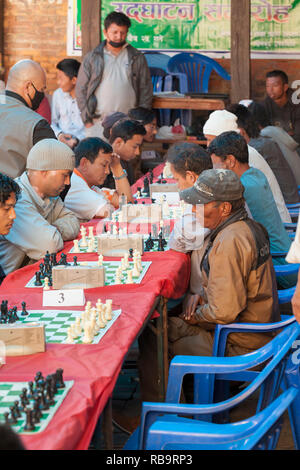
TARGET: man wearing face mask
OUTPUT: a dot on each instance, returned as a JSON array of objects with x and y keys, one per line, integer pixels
[
  {"x": 21, "y": 127},
  {"x": 113, "y": 77}
]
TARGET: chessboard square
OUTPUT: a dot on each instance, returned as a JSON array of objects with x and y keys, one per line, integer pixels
[
  {"x": 36, "y": 315},
  {"x": 5, "y": 386},
  {"x": 63, "y": 314},
  {"x": 60, "y": 333},
  {"x": 57, "y": 322},
  {"x": 13, "y": 393}
]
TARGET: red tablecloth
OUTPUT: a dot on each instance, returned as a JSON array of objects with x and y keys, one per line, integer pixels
[{"x": 94, "y": 368}]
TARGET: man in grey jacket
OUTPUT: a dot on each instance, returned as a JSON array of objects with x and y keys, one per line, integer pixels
[
  {"x": 21, "y": 127},
  {"x": 113, "y": 77},
  {"x": 42, "y": 222}
]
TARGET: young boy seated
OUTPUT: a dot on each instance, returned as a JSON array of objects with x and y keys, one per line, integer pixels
[{"x": 66, "y": 120}]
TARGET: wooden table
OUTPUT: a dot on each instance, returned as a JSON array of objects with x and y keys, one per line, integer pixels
[{"x": 187, "y": 102}]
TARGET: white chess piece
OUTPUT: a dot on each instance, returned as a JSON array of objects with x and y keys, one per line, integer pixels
[
  {"x": 90, "y": 246},
  {"x": 129, "y": 277},
  {"x": 135, "y": 271},
  {"x": 91, "y": 231},
  {"x": 46, "y": 283},
  {"x": 115, "y": 230},
  {"x": 108, "y": 310},
  {"x": 88, "y": 336},
  {"x": 76, "y": 246},
  {"x": 78, "y": 328},
  {"x": 100, "y": 260},
  {"x": 69, "y": 339},
  {"x": 83, "y": 237}
]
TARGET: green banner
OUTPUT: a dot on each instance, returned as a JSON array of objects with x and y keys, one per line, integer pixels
[{"x": 205, "y": 25}]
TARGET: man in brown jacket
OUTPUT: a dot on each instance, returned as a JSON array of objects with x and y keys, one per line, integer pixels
[{"x": 232, "y": 278}]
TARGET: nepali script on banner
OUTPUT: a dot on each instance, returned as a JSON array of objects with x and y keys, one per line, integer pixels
[{"x": 202, "y": 25}]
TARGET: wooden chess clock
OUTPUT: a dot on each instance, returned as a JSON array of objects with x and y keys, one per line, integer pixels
[{"x": 78, "y": 277}]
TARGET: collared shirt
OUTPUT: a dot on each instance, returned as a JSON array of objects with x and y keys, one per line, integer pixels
[
  {"x": 85, "y": 201},
  {"x": 42, "y": 130},
  {"x": 115, "y": 92},
  {"x": 66, "y": 115}
]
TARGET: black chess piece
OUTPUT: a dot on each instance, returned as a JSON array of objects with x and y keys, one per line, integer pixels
[
  {"x": 44, "y": 405},
  {"x": 146, "y": 187},
  {"x": 15, "y": 314},
  {"x": 53, "y": 259},
  {"x": 75, "y": 261},
  {"x": 13, "y": 417},
  {"x": 30, "y": 395},
  {"x": 42, "y": 272},
  {"x": 24, "y": 392},
  {"x": 63, "y": 260},
  {"x": 24, "y": 311},
  {"x": 17, "y": 409},
  {"x": 151, "y": 177},
  {"x": 29, "y": 425},
  {"x": 59, "y": 378},
  {"x": 131, "y": 252},
  {"x": 6, "y": 417},
  {"x": 38, "y": 281},
  {"x": 160, "y": 243}
]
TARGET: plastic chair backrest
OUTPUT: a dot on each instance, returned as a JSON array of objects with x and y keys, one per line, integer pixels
[
  {"x": 198, "y": 69},
  {"x": 259, "y": 432},
  {"x": 157, "y": 59},
  {"x": 268, "y": 380}
]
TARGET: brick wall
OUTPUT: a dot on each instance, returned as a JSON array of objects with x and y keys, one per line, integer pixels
[{"x": 37, "y": 29}]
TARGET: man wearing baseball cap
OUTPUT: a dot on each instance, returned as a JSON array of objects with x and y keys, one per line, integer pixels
[
  {"x": 42, "y": 222},
  {"x": 232, "y": 276}
]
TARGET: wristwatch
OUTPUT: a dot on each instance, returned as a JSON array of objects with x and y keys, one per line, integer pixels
[{"x": 122, "y": 176}]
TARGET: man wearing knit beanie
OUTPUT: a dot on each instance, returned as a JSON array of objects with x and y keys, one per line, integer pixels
[
  {"x": 42, "y": 222},
  {"x": 223, "y": 121}
]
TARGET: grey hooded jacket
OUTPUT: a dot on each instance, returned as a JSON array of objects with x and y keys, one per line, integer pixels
[{"x": 90, "y": 76}]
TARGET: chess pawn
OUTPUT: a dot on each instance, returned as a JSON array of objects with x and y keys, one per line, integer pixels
[
  {"x": 88, "y": 336},
  {"x": 90, "y": 246},
  {"x": 78, "y": 328},
  {"x": 94, "y": 325},
  {"x": 70, "y": 339},
  {"x": 76, "y": 246},
  {"x": 83, "y": 237},
  {"x": 135, "y": 271},
  {"x": 74, "y": 331},
  {"x": 115, "y": 230},
  {"x": 118, "y": 279},
  {"x": 100, "y": 260},
  {"x": 91, "y": 232},
  {"x": 129, "y": 277},
  {"x": 108, "y": 310},
  {"x": 46, "y": 283}
]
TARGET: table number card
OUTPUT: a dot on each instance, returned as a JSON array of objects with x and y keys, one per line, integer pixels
[{"x": 63, "y": 298}]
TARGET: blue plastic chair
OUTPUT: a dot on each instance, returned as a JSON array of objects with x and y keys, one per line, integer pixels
[
  {"x": 178, "y": 81},
  {"x": 210, "y": 369},
  {"x": 162, "y": 81},
  {"x": 198, "y": 69},
  {"x": 260, "y": 432},
  {"x": 157, "y": 59}
]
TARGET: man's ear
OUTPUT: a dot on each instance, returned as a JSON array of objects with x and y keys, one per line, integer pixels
[
  {"x": 117, "y": 144},
  {"x": 231, "y": 161},
  {"x": 285, "y": 87},
  {"x": 191, "y": 177},
  {"x": 227, "y": 208}
]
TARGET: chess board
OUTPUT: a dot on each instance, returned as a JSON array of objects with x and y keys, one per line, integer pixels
[
  {"x": 57, "y": 323},
  {"x": 110, "y": 272},
  {"x": 84, "y": 249},
  {"x": 10, "y": 391}
]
